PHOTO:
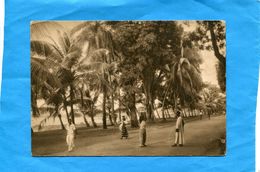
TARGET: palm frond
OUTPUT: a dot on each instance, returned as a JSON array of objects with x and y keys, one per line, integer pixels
[
  {"x": 40, "y": 74},
  {"x": 45, "y": 120},
  {"x": 45, "y": 50}
]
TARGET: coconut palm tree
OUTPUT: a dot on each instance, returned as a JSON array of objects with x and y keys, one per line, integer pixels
[
  {"x": 64, "y": 57},
  {"x": 185, "y": 80},
  {"x": 50, "y": 43},
  {"x": 95, "y": 40}
]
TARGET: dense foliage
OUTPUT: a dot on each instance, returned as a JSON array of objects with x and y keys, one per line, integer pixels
[{"x": 125, "y": 63}]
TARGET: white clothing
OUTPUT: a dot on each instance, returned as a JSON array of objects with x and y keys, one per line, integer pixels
[
  {"x": 143, "y": 125},
  {"x": 179, "y": 135},
  {"x": 70, "y": 136}
]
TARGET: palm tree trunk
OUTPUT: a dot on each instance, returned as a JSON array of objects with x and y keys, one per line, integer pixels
[
  {"x": 83, "y": 107},
  {"x": 175, "y": 102},
  {"x": 71, "y": 104},
  {"x": 164, "y": 98},
  {"x": 148, "y": 77},
  {"x": 85, "y": 120},
  {"x": 104, "y": 118},
  {"x": 61, "y": 123},
  {"x": 113, "y": 109},
  {"x": 92, "y": 117},
  {"x": 149, "y": 108},
  {"x": 65, "y": 106},
  {"x": 59, "y": 116}
]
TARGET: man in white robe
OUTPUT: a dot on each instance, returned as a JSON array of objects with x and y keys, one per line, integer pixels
[
  {"x": 70, "y": 135},
  {"x": 179, "y": 130}
]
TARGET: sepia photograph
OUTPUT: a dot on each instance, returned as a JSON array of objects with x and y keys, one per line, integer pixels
[{"x": 128, "y": 88}]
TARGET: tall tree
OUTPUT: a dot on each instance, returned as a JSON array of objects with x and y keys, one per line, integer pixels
[
  {"x": 149, "y": 46},
  {"x": 210, "y": 35},
  {"x": 96, "y": 43}
]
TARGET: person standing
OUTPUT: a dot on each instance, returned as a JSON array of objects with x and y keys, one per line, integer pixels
[
  {"x": 70, "y": 135},
  {"x": 201, "y": 114},
  {"x": 142, "y": 134},
  {"x": 179, "y": 130},
  {"x": 124, "y": 132}
]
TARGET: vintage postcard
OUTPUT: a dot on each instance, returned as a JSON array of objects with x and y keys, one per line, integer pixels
[{"x": 128, "y": 88}]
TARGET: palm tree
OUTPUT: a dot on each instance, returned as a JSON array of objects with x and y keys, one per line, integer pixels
[
  {"x": 96, "y": 43},
  {"x": 212, "y": 99},
  {"x": 185, "y": 79},
  {"x": 61, "y": 57},
  {"x": 47, "y": 83}
]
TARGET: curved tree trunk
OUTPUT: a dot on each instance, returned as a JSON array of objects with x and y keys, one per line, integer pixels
[
  {"x": 59, "y": 116},
  {"x": 61, "y": 123},
  {"x": 219, "y": 56},
  {"x": 86, "y": 121},
  {"x": 92, "y": 116},
  {"x": 93, "y": 121}
]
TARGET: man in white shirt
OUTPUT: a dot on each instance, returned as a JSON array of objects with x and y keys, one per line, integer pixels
[
  {"x": 179, "y": 130},
  {"x": 70, "y": 135}
]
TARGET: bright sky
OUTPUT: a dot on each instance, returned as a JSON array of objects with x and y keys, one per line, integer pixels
[{"x": 208, "y": 67}]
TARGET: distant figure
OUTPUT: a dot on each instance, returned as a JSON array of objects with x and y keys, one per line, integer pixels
[
  {"x": 200, "y": 114},
  {"x": 142, "y": 121},
  {"x": 209, "y": 114},
  {"x": 70, "y": 135},
  {"x": 179, "y": 130},
  {"x": 123, "y": 128}
]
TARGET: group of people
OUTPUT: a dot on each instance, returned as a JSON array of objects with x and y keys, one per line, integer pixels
[
  {"x": 142, "y": 125},
  {"x": 179, "y": 131}
]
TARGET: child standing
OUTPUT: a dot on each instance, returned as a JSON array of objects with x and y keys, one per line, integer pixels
[{"x": 70, "y": 135}]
